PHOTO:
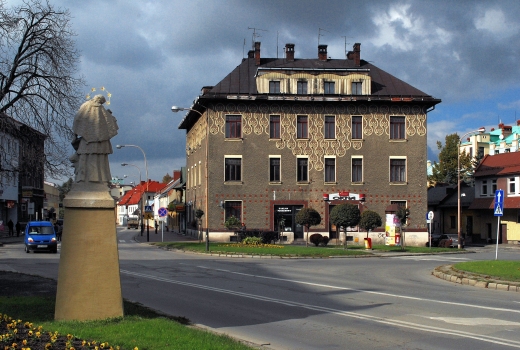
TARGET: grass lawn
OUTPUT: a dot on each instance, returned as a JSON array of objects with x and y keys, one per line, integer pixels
[
  {"x": 286, "y": 250},
  {"x": 501, "y": 269},
  {"x": 141, "y": 328}
]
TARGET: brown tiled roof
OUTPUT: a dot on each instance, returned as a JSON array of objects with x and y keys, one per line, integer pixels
[
  {"x": 499, "y": 164},
  {"x": 489, "y": 203},
  {"x": 242, "y": 79}
]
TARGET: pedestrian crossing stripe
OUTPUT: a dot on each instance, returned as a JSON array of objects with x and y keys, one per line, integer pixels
[{"x": 498, "y": 210}]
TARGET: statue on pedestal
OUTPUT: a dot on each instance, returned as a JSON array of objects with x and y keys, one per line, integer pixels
[{"x": 93, "y": 127}]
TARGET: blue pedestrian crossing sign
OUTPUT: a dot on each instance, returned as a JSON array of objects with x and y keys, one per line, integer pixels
[
  {"x": 499, "y": 203},
  {"x": 148, "y": 209}
]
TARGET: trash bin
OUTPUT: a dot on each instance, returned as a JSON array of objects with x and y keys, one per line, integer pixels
[{"x": 368, "y": 243}]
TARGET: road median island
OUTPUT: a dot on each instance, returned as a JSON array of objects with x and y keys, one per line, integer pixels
[{"x": 457, "y": 275}]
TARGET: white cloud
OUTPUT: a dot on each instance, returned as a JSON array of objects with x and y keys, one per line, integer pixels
[{"x": 494, "y": 21}]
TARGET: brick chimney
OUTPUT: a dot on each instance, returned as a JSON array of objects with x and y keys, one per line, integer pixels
[
  {"x": 322, "y": 52},
  {"x": 289, "y": 52},
  {"x": 355, "y": 55},
  {"x": 257, "y": 53}
]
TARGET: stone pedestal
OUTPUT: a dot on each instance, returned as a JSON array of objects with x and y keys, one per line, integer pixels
[{"x": 89, "y": 284}]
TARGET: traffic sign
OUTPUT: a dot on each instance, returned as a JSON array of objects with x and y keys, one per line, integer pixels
[
  {"x": 499, "y": 203},
  {"x": 148, "y": 208},
  {"x": 499, "y": 196},
  {"x": 163, "y": 212}
]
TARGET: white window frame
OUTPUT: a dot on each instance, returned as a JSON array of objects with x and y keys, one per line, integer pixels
[
  {"x": 335, "y": 169},
  {"x": 405, "y": 182},
  {"x": 279, "y": 157},
  {"x": 362, "y": 170}
]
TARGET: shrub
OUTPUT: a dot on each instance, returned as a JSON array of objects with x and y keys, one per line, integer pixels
[
  {"x": 324, "y": 240},
  {"x": 252, "y": 240},
  {"x": 316, "y": 239},
  {"x": 268, "y": 236}
]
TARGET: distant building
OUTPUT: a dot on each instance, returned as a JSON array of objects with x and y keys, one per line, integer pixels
[
  {"x": 505, "y": 139},
  {"x": 21, "y": 171},
  {"x": 280, "y": 134}
]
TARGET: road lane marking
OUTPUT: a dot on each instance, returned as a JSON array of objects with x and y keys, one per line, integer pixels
[
  {"x": 386, "y": 321},
  {"x": 365, "y": 291}
]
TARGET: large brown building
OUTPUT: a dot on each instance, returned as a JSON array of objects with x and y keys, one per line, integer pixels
[{"x": 277, "y": 135}]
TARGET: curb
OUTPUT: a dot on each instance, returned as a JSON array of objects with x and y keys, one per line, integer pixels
[{"x": 448, "y": 273}]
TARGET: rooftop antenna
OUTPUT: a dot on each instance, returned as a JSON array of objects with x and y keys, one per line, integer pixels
[
  {"x": 244, "y": 49},
  {"x": 255, "y": 35},
  {"x": 277, "y": 35},
  {"x": 319, "y": 34},
  {"x": 345, "y": 37}
]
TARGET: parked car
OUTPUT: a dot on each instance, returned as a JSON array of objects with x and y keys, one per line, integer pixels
[
  {"x": 449, "y": 241},
  {"x": 40, "y": 236},
  {"x": 435, "y": 239}
]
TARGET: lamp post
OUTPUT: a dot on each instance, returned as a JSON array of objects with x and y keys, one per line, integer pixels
[
  {"x": 480, "y": 130},
  {"x": 176, "y": 109},
  {"x": 146, "y": 169},
  {"x": 142, "y": 200}
]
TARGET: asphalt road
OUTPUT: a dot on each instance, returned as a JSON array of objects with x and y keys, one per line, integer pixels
[{"x": 342, "y": 303}]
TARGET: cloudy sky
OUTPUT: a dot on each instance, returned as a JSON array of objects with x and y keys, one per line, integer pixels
[{"x": 151, "y": 55}]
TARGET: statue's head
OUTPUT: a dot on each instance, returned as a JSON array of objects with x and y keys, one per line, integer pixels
[{"x": 99, "y": 99}]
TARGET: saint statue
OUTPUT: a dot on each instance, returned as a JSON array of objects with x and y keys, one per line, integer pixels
[{"x": 93, "y": 127}]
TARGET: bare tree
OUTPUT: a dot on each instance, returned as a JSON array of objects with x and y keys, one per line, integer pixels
[{"x": 38, "y": 86}]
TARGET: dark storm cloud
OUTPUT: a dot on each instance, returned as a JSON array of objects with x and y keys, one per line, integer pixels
[{"x": 153, "y": 54}]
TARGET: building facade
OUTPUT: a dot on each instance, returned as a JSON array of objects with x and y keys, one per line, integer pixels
[
  {"x": 278, "y": 135},
  {"x": 21, "y": 171}
]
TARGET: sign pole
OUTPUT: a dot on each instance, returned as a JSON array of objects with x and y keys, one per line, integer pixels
[
  {"x": 498, "y": 232},
  {"x": 499, "y": 211}
]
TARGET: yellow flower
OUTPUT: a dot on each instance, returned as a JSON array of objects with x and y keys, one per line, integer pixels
[
  {"x": 93, "y": 89},
  {"x": 30, "y": 333},
  {"x": 24, "y": 342},
  {"x": 69, "y": 336},
  {"x": 83, "y": 343},
  {"x": 48, "y": 346}
]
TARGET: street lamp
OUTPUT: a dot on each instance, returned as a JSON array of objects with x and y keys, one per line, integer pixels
[
  {"x": 176, "y": 109},
  {"x": 480, "y": 130},
  {"x": 146, "y": 169}
]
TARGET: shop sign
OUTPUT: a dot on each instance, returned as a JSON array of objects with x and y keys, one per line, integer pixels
[{"x": 27, "y": 194}]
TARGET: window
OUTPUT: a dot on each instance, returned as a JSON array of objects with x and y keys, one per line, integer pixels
[
  {"x": 274, "y": 169},
  {"x": 329, "y": 87},
  {"x": 274, "y": 87},
  {"x": 357, "y": 130},
  {"x": 480, "y": 152},
  {"x": 512, "y": 185},
  {"x": 356, "y": 88},
  {"x": 493, "y": 187},
  {"x": 330, "y": 169},
  {"x": 233, "y": 169},
  {"x": 301, "y": 87},
  {"x": 452, "y": 221},
  {"x": 484, "y": 188},
  {"x": 397, "y": 128},
  {"x": 233, "y": 126},
  {"x": 233, "y": 208},
  {"x": 357, "y": 169},
  {"x": 330, "y": 127},
  {"x": 274, "y": 127},
  {"x": 302, "y": 127},
  {"x": 302, "y": 171},
  {"x": 397, "y": 170}
]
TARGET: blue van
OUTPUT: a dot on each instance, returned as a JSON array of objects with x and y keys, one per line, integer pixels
[{"x": 40, "y": 236}]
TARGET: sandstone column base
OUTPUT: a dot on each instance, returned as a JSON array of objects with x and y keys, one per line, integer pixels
[{"x": 89, "y": 284}]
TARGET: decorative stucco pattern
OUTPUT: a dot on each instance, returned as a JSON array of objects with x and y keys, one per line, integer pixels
[{"x": 255, "y": 120}]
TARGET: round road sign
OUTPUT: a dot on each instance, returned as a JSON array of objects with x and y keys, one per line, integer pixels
[{"x": 163, "y": 212}]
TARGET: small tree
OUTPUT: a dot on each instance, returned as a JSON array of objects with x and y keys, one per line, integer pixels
[
  {"x": 232, "y": 222},
  {"x": 308, "y": 217},
  {"x": 344, "y": 215},
  {"x": 370, "y": 220},
  {"x": 402, "y": 213}
]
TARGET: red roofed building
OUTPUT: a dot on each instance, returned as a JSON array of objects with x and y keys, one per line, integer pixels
[
  {"x": 130, "y": 204},
  {"x": 499, "y": 171}
]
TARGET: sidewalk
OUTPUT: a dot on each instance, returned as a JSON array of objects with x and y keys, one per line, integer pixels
[
  {"x": 6, "y": 239},
  {"x": 165, "y": 236}
]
